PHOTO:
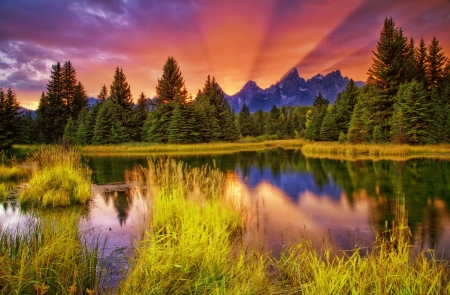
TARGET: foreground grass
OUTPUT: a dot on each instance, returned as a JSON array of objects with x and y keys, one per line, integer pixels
[
  {"x": 377, "y": 150},
  {"x": 48, "y": 256},
  {"x": 61, "y": 179},
  {"x": 195, "y": 243}
]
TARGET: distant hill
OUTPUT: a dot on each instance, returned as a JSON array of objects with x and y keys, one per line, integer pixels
[{"x": 291, "y": 90}]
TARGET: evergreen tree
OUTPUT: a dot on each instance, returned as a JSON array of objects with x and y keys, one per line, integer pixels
[
  {"x": 361, "y": 129},
  {"x": 9, "y": 119},
  {"x": 377, "y": 136},
  {"x": 120, "y": 91},
  {"x": 390, "y": 68},
  {"x": 207, "y": 125},
  {"x": 435, "y": 66},
  {"x": 230, "y": 131},
  {"x": 103, "y": 95},
  {"x": 70, "y": 131},
  {"x": 140, "y": 114},
  {"x": 316, "y": 117},
  {"x": 413, "y": 113},
  {"x": 246, "y": 123},
  {"x": 81, "y": 136},
  {"x": 421, "y": 59},
  {"x": 328, "y": 130},
  {"x": 89, "y": 122},
  {"x": 260, "y": 121},
  {"x": 80, "y": 101},
  {"x": 344, "y": 105},
  {"x": 108, "y": 126},
  {"x": 169, "y": 90},
  {"x": 273, "y": 120},
  {"x": 69, "y": 88}
]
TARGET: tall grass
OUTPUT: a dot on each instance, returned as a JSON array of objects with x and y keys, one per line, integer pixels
[
  {"x": 193, "y": 240},
  {"x": 205, "y": 148},
  {"x": 49, "y": 256},
  {"x": 61, "y": 179},
  {"x": 390, "y": 267},
  {"x": 9, "y": 170},
  {"x": 3, "y": 190},
  {"x": 351, "y": 150}
]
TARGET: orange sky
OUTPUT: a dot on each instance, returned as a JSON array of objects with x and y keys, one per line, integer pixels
[{"x": 233, "y": 40}]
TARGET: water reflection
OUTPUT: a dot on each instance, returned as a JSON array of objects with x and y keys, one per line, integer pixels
[{"x": 289, "y": 196}]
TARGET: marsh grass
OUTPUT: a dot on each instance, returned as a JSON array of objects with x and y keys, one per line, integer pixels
[
  {"x": 390, "y": 267},
  {"x": 61, "y": 179},
  {"x": 9, "y": 169},
  {"x": 145, "y": 148},
  {"x": 3, "y": 190},
  {"x": 193, "y": 242},
  {"x": 376, "y": 150},
  {"x": 48, "y": 256}
]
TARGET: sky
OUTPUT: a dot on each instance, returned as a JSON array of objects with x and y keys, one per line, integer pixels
[{"x": 232, "y": 40}]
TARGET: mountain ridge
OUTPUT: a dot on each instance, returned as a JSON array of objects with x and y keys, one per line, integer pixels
[{"x": 290, "y": 90}]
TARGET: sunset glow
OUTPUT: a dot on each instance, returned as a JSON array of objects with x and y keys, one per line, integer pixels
[{"x": 235, "y": 41}]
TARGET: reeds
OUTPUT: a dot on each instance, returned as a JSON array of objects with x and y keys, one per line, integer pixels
[
  {"x": 193, "y": 240},
  {"x": 376, "y": 150},
  {"x": 61, "y": 179},
  {"x": 390, "y": 267},
  {"x": 49, "y": 256},
  {"x": 204, "y": 148}
]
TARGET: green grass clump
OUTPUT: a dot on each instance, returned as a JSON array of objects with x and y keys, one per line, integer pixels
[
  {"x": 193, "y": 241},
  {"x": 49, "y": 255},
  {"x": 61, "y": 179}
]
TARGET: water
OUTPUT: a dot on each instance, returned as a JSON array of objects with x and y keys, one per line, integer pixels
[{"x": 340, "y": 203}]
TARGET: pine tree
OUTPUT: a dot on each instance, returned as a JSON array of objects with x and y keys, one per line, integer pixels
[
  {"x": 328, "y": 130},
  {"x": 207, "y": 125},
  {"x": 435, "y": 65},
  {"x": 108, "y": 126},
  {"x": 140, "y": 114},
  {"x": 121, "y": 97},
  {"x": 390, "y": 68},
  {"x": 260, "y": 121},
  {"x": 81, "y": 136},
  {"x": 361, "y": 129},
  {"x": 421, "y": 59},
  {"x": 80, "y": 101},
  {"x": 70, "y": 131},
  {"x": 316, "y": 117},
  {"x": 169, "y": 90},
  {"x": 103, "y": 95},
  {"x": 9, "y": 119},
  {"x": 344, "y": 105},
  {"x": 69, "y": 88},
  {"x": 246, "y": 123},
  {"x": 413, "y": 113}
]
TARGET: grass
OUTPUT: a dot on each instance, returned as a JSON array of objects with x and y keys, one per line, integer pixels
[
  {"x": 61, "y": 179},
  {"x": 3, "y": 190},
  {"x": 375, "y": 150},
  {"x": 49, "y": 256},
  {"x": 205, "y": 148},
  {"x": 193, "y": 241},
  {"x": 390, "y": 267}
]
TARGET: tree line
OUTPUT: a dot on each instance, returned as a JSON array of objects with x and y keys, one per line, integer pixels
[{"x": 406, "y": 99}]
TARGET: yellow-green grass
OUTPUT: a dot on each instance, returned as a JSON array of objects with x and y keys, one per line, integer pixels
[
  {"x": 48, "y": 256},
  {"x": 61, "y": 179},
  {"x": 11, "y": 173},
  {"x": 142, "y": 148},
  {"x": 193, "y": 241},
  {"x": 3, "y": 190},
  {"x": 376, "y": 150},
  {"x": 389, "y": 268}
]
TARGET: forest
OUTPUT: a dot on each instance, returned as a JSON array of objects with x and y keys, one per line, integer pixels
[{"x": 406, "y": 99}]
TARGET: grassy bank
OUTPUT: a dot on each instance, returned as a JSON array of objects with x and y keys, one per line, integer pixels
[
  {"x": 61, "y": 179},
  {"x": 375, "y": 150},
  {"x": 142, "y": 148},
  {"x": 49, "y": 256}
]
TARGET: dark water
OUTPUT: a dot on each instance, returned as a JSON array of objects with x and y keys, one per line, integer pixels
[{"x": 290, "y": 196}]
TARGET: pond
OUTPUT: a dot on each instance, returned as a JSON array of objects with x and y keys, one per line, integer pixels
[{"x": 342, "y": 203}]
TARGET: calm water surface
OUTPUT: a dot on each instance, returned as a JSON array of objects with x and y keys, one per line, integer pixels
[{"x": 340, "y": 203}]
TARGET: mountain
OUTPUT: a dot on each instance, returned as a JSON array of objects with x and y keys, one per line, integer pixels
[{"x": 291, "y": 90}]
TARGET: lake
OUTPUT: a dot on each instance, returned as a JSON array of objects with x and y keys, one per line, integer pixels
[{"x": 341, "y": 203}]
